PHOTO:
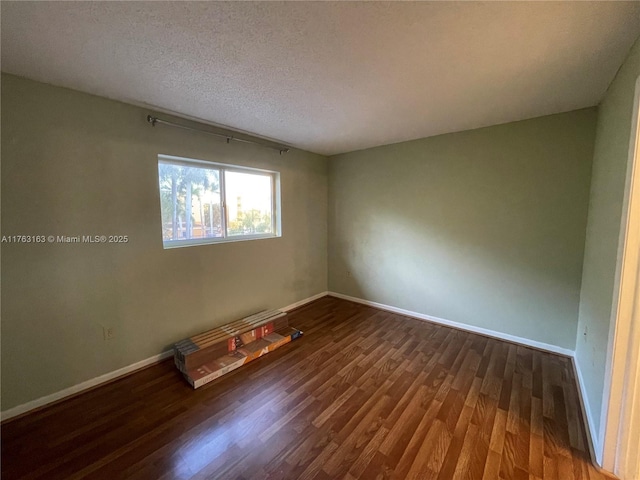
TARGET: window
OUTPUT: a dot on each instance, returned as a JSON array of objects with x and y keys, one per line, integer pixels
[{"x": 203, "y": 202}]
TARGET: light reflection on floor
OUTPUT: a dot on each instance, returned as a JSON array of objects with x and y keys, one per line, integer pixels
[{"x": 234, "y": 430}]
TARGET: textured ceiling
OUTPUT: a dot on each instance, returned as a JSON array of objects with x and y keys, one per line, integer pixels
[{"x": 328, "y": 77}]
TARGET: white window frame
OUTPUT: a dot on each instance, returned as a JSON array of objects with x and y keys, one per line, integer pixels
[{"x": 276, "y": 222}]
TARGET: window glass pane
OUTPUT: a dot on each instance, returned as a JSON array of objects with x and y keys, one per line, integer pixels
[
  {"x": 248, "y": 203},
  {"x": 190, "y": 202}
]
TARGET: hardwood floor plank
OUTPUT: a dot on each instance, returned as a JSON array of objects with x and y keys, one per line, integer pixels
[
  {"x": 492, "y": 466},
  {"x": 536, "y": 455},
  {"x": 466, "y": 453}
]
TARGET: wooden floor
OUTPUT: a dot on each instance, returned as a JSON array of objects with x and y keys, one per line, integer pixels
[{"x": 364, "y": 394}]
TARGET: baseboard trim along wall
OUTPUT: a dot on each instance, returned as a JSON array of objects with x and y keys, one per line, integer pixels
[
  {"x": 81, "y": 387},
  {"x": 293, "y": 306},
  {"x": 108, "y": 377},
  {"x": 461, "y": 326},
  {"x": 586, "y": 412},
  {"x": 592, "y": 436}
]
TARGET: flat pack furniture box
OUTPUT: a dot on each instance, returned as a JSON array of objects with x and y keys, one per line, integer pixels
[
  {"x": 202, "y": 348},
  {"x": 227, "y": 363}
]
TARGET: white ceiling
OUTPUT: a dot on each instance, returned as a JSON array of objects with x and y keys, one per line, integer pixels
[{"x": 328, "y": 77}]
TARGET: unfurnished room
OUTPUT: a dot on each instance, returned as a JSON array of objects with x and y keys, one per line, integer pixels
[{"x": 320, "y": 240}]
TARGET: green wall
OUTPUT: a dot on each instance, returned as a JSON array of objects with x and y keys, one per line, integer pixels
[
  {"x": 484, "y": 227},
  {"x": 76, "y": 164},
  {"x": 610, "y": 160}
]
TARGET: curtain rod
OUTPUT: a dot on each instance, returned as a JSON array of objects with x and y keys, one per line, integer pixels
[{"x": 154, "y": 120}]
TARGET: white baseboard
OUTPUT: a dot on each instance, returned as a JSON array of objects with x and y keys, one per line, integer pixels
[
  {"x": 80, "y": 387},
  {"x": 304, "y": 302},
  {"x": 592, "y": 436},
  {"x": 67, "y": 392},
  {"x": 461, "y": 326},
  {"x": 586, "y": 412}
]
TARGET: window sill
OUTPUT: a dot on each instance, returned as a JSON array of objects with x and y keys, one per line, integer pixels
[{"x": 213, "y": 241}]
